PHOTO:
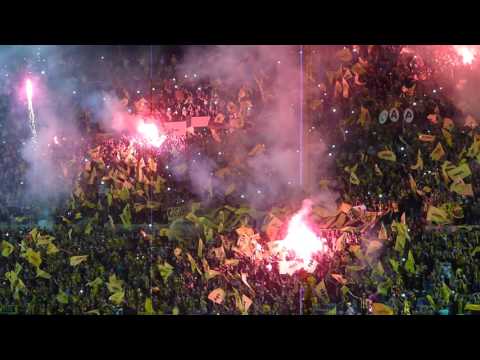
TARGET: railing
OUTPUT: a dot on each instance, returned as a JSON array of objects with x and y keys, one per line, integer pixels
[{"x": 8, "y": 309}]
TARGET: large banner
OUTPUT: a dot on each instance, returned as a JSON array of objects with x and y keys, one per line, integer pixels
[
  {"x": 200, "y": 121},
  {"x": 175, "y": 128}
]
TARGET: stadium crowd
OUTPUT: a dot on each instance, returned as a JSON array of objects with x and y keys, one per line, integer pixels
[{"x": 139, "y": 259}]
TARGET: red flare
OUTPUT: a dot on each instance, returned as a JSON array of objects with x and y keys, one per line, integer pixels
[
  {"x": 301, "y": 239},
  {"x": 151, "y": 133}
]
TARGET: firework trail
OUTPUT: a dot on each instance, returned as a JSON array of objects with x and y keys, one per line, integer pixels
[{"x": 31, "y": 113}]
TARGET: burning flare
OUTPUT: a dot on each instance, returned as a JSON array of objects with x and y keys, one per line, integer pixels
[
  {"x": 151, "y": 133},
  {"x": 301, "y": 241},
  {"x": 467, "y": 53}
]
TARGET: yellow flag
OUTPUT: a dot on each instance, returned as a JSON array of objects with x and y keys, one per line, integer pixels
[
  {"x": 345, "y": 207},
  {"x": 117, "y": 297},
  {"x": 457, "y": 211},
  {"x": 245, "y": 231},
  {"x": 460, "y": 172},
  {"x": 33, "y": 257},
  {"x": 43, "y": 274},
  {"x": 461, "y": 188},
  {"x": 472, "y": 307},
  {"x": 353, "y": 178},
  {"x": 427, "y": 189},
  {"x": 230, "y": 189},
  {"x": 448, "y": 124},
  {"x": 246, "y": 303},
  {"x": 75, "y": 260},
  {"x": 338, "y": 88},
  {"x": 346, "y": 88},
  {"x": 322, "y": 292},
  {"x": 223, "y": 171},
  {"x": 413, "y": 184},
  {"x": 200, "y": 248},
  {"x": 437, "y": 215},
  {"x": 7, "y": 248},
  {"x": 93, "y": 175},
  {"x": 364, "y": 116},
  {"x": 114, "y": 284},
  {"x": 258, "y": 149},
  {"x": 181, "y": 169},
  {"x": 344, "y": 55},
  {"x": 232, "y": 262},
  {"x": 219, "y": 253},
  {"x": 217, "y": 296},
  {"x": 382, "y": 233},
  {"x": 193, "y": 264},
  {"x": 62, "y": 297},
  {"x": 323, "y": 183},
  {"x": 426, "y": 138},
  {"x": 446, "y": 167},
  {"x": 474, "y": 149},
  {"x": 448, "y": 137},
  {"x": 419, "y": 164},
  {"x": 438, "y": 152},
  {"x": 381, "y": 309},
  {"x": 387, "y": 155},
  {"x": 149, "y": 306}
]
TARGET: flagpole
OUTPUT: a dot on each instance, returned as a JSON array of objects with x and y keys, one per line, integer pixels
[{"x": 301, "y": 297}]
